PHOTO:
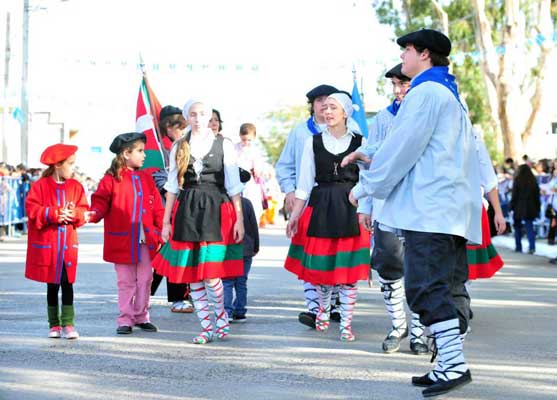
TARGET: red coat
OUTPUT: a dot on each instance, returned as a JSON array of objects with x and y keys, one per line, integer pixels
[
  {"x": 127, "y": 205},
  {"x": 50, "y": 245}
]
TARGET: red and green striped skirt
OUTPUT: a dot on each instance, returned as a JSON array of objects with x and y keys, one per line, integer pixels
[
  {"x": 328, "y": 261},
  {"x": 187, "y": 262},
  {"x": 483, "y": 260}
]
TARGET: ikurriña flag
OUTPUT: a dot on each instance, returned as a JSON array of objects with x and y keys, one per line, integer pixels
[{"x": 147, "y": 121}]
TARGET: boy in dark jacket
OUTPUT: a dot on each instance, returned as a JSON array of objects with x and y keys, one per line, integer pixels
[{"x": 236, "y": 308}]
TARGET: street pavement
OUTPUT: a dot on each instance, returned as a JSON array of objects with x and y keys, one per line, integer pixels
[{"x": 512, "y": 349}]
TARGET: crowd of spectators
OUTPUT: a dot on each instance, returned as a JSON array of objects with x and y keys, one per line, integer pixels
[{"x": 528, "y": 194}]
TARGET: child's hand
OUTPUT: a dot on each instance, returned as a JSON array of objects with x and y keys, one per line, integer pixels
[
  {"x": 292, "y": 227},
  {"x": 89, "y": 215},
  {"x": 165, "y": 235},
  {"x": 352, "y": 199},
  {"x": 239, "y": 230}
]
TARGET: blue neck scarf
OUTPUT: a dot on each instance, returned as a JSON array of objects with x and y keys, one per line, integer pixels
[
  {"x": 440, "y": 75},
  {"x": 394, "y": 107},
  {"x": 314, "y": 129}
]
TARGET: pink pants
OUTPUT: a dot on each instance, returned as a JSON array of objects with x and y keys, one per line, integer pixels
[{"x": 134, "y": 289}]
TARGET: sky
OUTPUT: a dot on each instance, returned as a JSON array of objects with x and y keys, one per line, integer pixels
[{"x": 245, "y": 58}]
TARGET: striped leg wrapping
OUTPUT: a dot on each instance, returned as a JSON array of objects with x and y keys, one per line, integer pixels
[
  {"x": 348, "y": 294},
  {"x": 322, "y": 320},
  {"x": 312, "y": 299},
  {"x": 393, "y": 296},
  {"x": 216, "y": 294},
  {"x": 450, "y": 357},
  {"x": 201, "y": 304}
]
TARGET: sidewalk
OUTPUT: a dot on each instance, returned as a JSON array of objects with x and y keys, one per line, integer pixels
[{"x": 542, "y": 248}]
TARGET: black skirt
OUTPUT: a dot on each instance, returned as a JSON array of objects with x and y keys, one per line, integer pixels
[
  {"x": 332, "y": 214},
  {"x": 197, "y": 217}
]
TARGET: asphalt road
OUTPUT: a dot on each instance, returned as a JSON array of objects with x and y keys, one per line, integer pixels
[{"x": 512, "y": 349}]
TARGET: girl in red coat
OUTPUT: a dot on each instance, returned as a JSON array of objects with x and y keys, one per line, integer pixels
[
  {"x": 131, "y": 206},
  {"x": 55, "y": 207}
]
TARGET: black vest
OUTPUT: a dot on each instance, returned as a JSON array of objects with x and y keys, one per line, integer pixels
[
  {"x": 327, "y": 165},
  {"x": 333, "y": 216},
  {"x": 198, "y": 213},
  {"x": 213, "y": 166}
]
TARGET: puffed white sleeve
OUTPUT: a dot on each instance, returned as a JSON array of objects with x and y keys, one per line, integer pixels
[
  {"x": 171, "y": 184},
  {"x": 306, "y": 180},
  {"x": 232, "y": 181}
]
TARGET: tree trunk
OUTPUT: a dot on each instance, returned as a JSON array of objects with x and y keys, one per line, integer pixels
[{"x": 516, "y": 113}]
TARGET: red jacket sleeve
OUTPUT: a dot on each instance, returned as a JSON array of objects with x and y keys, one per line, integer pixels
[
  {"x": 158, "y": 209},
  {"x": 81, "y": 206},
  {"x": 102, "y": 198},
  {"x": 38, "y": 214}
]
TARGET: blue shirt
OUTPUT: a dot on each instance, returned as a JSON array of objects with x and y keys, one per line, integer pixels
[
  {"x": 427, "y": 168},
  {"x": 382, "y": 124}
]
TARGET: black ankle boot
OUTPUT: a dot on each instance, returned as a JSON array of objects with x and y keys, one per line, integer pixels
[{"x": 442, "y": 387}]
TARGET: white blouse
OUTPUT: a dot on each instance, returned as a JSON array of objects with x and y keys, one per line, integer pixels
[{"x": 200, "y": 145}]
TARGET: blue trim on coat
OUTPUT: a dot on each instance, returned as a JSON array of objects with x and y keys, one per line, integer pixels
[{"x": 117, "y": 233}]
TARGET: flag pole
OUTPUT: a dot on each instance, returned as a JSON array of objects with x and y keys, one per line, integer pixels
[{"x": 152, "y": 108}]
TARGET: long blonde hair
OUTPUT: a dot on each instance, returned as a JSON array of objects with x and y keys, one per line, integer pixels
[
  {"x": 119, "y": 162},
  {"x": 182, "y": 159}
]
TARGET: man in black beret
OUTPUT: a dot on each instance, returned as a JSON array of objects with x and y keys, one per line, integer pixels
[
  {"x": 431, "y": 148},
  {"x": 387, "y": 256},
  {"x": 124, "y": 139},
  {"x": 434, "y": 41}
]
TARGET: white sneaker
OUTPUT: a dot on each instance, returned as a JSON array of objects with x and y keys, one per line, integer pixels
[
  {"x": 55, "y": 332},
  {"x": 69, "y": 332}
]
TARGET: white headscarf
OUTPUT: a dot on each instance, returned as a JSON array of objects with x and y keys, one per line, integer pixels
[
  {"x": 345, "y": 102},
  {"x": 191, "y": 102}
]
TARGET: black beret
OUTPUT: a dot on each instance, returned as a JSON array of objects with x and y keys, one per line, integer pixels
[
  {"x": 244, "y": 175},
  {"x": 167, "y": 111},
  {"x": 345, "y": 92},
  {"x": 124, "y": 139},
  {"x": 429, "y": 39},
  {"x": 321, "y": 90},
  {"x": 396, "y": 72}
]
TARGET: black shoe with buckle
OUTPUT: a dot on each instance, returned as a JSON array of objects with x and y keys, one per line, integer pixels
[
  {"x": 308, "y": 319},
  {"x": 124, "y": 330},
  {"x": 147, "y": 327},
  {"x": 391, "y": 344},
  {"x": 442, "y": 387}
]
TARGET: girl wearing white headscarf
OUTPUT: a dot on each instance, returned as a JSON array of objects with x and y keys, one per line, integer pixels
[
  {"x": 203, "y": 224},
  {"x": 329, "y": 245}
]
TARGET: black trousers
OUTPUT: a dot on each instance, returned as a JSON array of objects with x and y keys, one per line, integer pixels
[
  {"x": 174, "y": 291},
  {"x": 435, "y": 271},
  {"x": 387, "y": 257},
  {"x": 52, "y": 290}
]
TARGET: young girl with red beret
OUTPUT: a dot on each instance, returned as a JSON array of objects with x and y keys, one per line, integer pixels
[
  {"x": 131, "y": 206},
  {"x": 55, "y": 207}
]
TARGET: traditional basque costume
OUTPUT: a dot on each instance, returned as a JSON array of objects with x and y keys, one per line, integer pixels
[
  {"x": 330, "y": 247},
  {"x": 201, "y": 249},
  {"x": 483, "y": 259},
  {"x": 202, "y": 241}
]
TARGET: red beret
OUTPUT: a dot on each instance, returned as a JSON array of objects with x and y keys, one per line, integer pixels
[{"x": 57, "y": 152}]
